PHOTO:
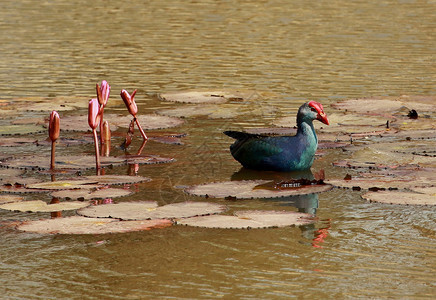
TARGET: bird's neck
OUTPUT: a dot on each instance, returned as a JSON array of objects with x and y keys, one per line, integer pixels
[{"x": 306, "y": 129}]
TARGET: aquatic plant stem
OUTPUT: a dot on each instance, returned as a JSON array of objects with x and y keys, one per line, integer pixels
[
  {"x": 97, "y": 153},
  {"x": 53, "y": 150},
  {"x": 141, "y": 130}
]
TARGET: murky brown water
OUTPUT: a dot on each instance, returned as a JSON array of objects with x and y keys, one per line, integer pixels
[{"x": 324, "y": 51}]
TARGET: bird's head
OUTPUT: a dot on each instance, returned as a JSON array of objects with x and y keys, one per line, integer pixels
[{"x": 312, "y": 110}]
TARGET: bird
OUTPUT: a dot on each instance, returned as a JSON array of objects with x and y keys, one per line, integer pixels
[{"x": 282, "y": 153}]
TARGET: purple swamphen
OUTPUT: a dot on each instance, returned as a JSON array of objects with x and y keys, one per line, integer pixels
[{"x": 281, "y": 153}]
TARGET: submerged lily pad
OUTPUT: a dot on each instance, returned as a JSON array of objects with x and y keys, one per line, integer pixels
[
  {"x": 215, "y": 96},
  {"x": 147, "y": 159},
  {"x": 248, "y": 189},
  {"x": 250, "y": 219},
  {"x": 147, "y": 121},
  {"x": 10, "y": 198},
  {"x": 17, "y": 141},
  {"x": 84, "y": 225},
  {"x": 7, "y": 173},
  {"x": 406, "y": 198},
  {"x": 76, "y": 162},
  {"x": 117, "y": 179},
  {"x": 150, "y": 210},
  {"x": 41, "y": 206},
  {"x": 88, "y": 195},
  {"x": 20, "y": 129}
]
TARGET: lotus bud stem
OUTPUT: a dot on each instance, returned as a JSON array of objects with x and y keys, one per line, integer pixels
[{"x": 53, "y": 132}]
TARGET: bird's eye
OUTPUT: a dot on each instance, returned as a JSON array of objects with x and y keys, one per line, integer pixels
[{"x": 313, "y": 109}]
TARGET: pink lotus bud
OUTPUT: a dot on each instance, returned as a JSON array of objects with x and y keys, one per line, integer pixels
[
  {"x": 129, "y": 101},
  {"x": 54, "y": 126},
  {"x": 93, "y": 113},
  {"x": 103, "y": 92}
]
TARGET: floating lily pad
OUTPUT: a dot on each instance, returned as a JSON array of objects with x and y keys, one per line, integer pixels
[
  {"x": 210, "y": 96},
  {"x": 75, "y": 162},
  {"x": 389, "y": 155},
  {"x": 248, "y": 189},
  {"x": 41, "y": 206},
  {"x": 384, "y": 105},
  {"x": 117, "y": 179},
  {"x": 146, "y": 159},
  {"x": 150, "y": 210},
  {"x": 15, "y": 181},
  {"x": 80, "y": 123},
  {"x": 65, "y": 184},
  {"x": 167, "y": 138},
  {"x": 147, "y": 121},
  {"x": 10, "y": 198},
  {"x": 6, "y": 173},
  {"x": 83, "y": 225},
  {"x": 16, "y": 141},
  {"x": 88, "y": 195},
  {"x": 19, "y": 189},
  {"x": 62, "y": 103},
  {"x": 411, "y": 134},
  {"x": 20, "y": 129},
  {"x": 406, "y": 198},
  {"x": 398, "y": 178},
  {"x": 250, "y": 219},
  {"x": 425, "y": 190}
]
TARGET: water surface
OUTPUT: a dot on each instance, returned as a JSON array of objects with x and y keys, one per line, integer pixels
[{"x": 296, "y": 50}]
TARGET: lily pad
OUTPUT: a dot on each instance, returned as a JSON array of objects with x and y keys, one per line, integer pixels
[
  {"x": 83, "y": 225},
  {"x": 10, "y": 198},
  {"x": 405, "y": 198},
  {"x": 150, "y": 210},
  {"x": 249, "y": 189},
  {"x": 75, "y": 162},
  {"x": 384, "y": 105},
  {"x": 250, "y": 219},
  {"x": 6, "y": 173},
  {"x": 20, "y": 129},
  {"x": 147, "y": 159},
  {"x": 425, "y": 190},
  {"x": 17, "y": 141},
  {"x": 64, "y": 184},
  {"x": 61, "y": 103},
  {"x": 210, "y": 96},
  {"x": 398, "y": 178},
  {"x": 80, "y": 123},
  {"x": 147, "y": 121},
  {"x": 117, "y": 179},
  {"x": 88, "y": 195},
  {"x": 42, "y": 206}
]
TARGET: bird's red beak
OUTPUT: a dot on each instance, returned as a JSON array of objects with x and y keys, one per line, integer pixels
[
  {"x": 323, "y": 118},
  {"x": 320, "y": 110}
]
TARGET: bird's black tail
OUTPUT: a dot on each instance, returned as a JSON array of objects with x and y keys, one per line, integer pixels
[{"x": 238, "y": 135}]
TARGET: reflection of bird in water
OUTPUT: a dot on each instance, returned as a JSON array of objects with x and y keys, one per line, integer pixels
[
  {"x": 281, "y": 153},
  {"x": 305, "y": 203}
]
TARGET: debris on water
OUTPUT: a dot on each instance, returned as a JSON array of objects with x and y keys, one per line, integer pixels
[{"x": 413, "y": 114}]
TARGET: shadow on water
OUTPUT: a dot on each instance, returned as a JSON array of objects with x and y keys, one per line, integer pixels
[{"x": 304, "y": 203}]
